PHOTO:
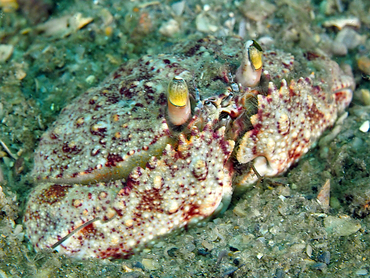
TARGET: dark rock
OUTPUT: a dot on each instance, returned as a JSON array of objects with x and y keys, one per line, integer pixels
[
  {"x": 203, "y": 252},
  {"x": 324, "y": 257},
  {"x": 36, "y": 10},
  {"x": 172, "y": 252}
]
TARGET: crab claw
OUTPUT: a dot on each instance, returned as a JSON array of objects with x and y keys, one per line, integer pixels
[
  {"x": 185, "y": 186},
  {"x": 249, "y": 72},
  {"x": 178, "y": 101}
]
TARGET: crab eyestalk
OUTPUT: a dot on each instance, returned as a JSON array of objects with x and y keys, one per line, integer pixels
[
  {"x": 178, "y": 101},
  {"x": 249, "y": 72}
]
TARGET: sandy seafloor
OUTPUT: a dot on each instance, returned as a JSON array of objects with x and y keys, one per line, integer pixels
[{"x": 268, "y": 231}]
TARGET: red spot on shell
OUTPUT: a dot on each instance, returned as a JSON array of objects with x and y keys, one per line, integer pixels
[
  {"x": 341, "y": 97},
  {"x": 54, "y": 193},
  {"x": 53, "y": 136},
  {"x": 87, "y": 232},
  {"x": 113, "y": 159},
  {"x": 311, "y": 55},
  {"x": 72, "y": 150},
  {"x": 98, "y": 131}
]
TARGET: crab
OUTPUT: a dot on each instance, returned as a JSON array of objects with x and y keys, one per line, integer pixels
[{"x": 154, "y": 147}]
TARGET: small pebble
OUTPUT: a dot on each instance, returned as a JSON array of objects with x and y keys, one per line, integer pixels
[
  {"x": 229, "y": 271},
  {"x": 362, "y": 272},
  {"x": 324, "y": 257},
  {"x": 3, "y": 274},
  {"x": 90, "y": 79},
  {"x": 363, "y": 64},
  {"x": 106, "y": 16},
  {"x": 8, "y": 6},
  {"x": 207, "y": 245},
  {"x": 350, "y": 38},
  {"x": 324, "y": 195},
  {"x": 309, "y": 250},
  {"x": 65, "y": 25},
  {"x": 319, "y": 266},
  {"x": 149, "y": 264},
  {"x": 339, "y": 49},
  {"x": 257, "y": 10},
  {"x": 357, "y": 143},
  {"x": 279, "y": 273},
  {"x": 169, "y": 28},
  {"x": 365, "y": 127},
  {"x": 205, "y": 23},
  {"x": 138, "y": 265},
  {"x": 334, "y": 202},
  {"x": 20, "y": 74},
  {"x": 134, "y": 274},
  {"x": 6, "y": 50},
  {"x": 203, "y": 252},
  {"x": 178, "y": 7},
  {"x": 365, "y": 95},
  {"x": 266, "y": 41},
  {"x": 206, "y": 7},
  {"x": 221, "y": 255},
  {"x": 108, "y": 31},
  {"x": 341, "y": 226},
  {"x": 240, "y": 210}
]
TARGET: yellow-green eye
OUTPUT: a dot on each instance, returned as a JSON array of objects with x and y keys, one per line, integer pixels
[
  {"x": 255, "y": 55},
  {"x": 249, "y": 72},
  {"x": 178, "y": 93}
]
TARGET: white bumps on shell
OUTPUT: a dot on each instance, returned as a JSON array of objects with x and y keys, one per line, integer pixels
[{"x": 199, "y": 168}]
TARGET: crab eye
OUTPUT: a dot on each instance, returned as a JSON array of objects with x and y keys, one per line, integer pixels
[
  {"x": 255, "y": 55},
  {"x": 178, "y": 101},
  {"x": 249, "y": 72},
  {"x": 178, "y": 92}
]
